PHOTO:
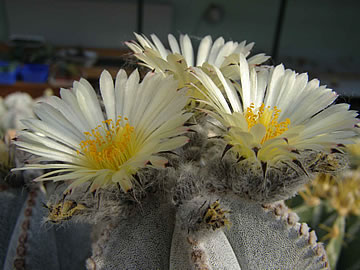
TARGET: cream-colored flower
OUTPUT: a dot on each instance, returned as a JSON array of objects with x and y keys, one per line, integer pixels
[
  {"x": 84, "y": 144},
  {"x": 180, "y": 57},
  {"x": 272, "y": 113},
  {"x": 213, "y": 53}
]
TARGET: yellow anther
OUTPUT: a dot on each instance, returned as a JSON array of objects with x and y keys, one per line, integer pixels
[
  {"x": 107, "y": 146},
  {"x": 267, "y": 117}
]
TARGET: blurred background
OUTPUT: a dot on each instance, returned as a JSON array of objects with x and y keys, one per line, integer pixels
[{"x": 49, "y": 43}]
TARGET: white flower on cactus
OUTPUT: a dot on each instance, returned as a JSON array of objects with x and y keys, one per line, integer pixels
[
  {"x": 81, "y": 143},
  {"x": 180, "y": 57},
  {"x": 271, "y": 113},
  {"x": 213, "y": 53}
]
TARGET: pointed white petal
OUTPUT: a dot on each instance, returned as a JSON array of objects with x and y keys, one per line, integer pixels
[
  {"x": 219, "y": 42},
  {"x": 120, "y": 84},
  {"x": 203, "y": 51},
  {"x": 245, "y": 81},
  {"x": 69, "y": 112},
  {"x": 174, "y": 45},
  {"x": 230, "y": 92},
  {"x": 187, "y": 50},
  {"x": 89, "y": 105},
  {"x": 160, "y": 47},
  {"x": 108, "y": 94}
]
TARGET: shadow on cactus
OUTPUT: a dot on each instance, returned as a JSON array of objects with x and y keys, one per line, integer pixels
[{"x": 171, "y": 186}]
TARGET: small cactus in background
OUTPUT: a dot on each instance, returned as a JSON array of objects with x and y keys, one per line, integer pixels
[
  {"x": 26, "y": 242},
  {"x": 331, "y": 205},
  {"x": 184, "y": 169}
]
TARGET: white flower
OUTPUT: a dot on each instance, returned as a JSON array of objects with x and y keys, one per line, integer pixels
[
  {"x": 208, "y": 52},
  {"x": 272, "y": 112},
  {"x": 180, "y": 57},
  {"x": 82, "y": 145},
  {"x": 177, "y": 61}
]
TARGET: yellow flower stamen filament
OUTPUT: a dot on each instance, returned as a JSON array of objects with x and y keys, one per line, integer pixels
[
  {"x": 108, "y": 146},
  {"x": 267, "y": 117}
]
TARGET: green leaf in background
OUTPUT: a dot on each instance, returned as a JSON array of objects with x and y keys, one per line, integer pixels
[
  {"x": 333, "y": 248},
  {"x": 349, "y": 257},
  {"x": 305, "y": 212}
]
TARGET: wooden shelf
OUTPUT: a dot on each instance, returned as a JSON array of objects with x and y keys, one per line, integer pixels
[
  {"x": 33, "y": 89},
  {"x": 90, "y": 73},
  {"x": 37, "y": 89},
  {"x": 93, "y": 73}
]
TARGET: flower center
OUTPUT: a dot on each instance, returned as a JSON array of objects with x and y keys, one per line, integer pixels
[
  {"x": 108, "y": 146},
  {"x": 267, "y": 117}
]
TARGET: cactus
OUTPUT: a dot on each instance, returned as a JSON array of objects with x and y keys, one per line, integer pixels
[
  {"x": 27, "y": 242},
  {"x": 151, "y": 240},
  {"x": 11, "y": 202},
  {"x": 186, "y": 168},
  {"x": 330, "y": 203},
  {"x": 33, "y": 246}
]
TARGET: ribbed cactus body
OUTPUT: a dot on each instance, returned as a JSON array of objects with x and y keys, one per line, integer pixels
[
  {"x": 32, "y": 246},
  {"x": 269, "y": 237},
  {"x": 73, "y": 245},
  {"x": 259, "y": 237},
  {"x": 11, "y": 202},
  {"x": 142, "y": 241},
  {"x": 202, "y": 250},
  {"x": 27, "y": 242}
]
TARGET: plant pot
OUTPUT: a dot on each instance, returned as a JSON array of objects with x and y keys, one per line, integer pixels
[
  {"x": 8, "y": 72},
  {"x": 37, "y": 73}
]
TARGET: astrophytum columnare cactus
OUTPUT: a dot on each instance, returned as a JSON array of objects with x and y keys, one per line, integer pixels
[{"x": 166, "y": 185}]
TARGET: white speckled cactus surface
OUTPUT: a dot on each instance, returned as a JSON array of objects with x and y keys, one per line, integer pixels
[{"x": 185, "y": 166}]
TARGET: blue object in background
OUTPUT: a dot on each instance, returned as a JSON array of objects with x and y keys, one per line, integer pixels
[
  {"x": 36, "y": 73},
  {"x": 8, "y": 72}
]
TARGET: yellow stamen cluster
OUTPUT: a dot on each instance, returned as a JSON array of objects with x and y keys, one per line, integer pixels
[
  {"x": 267, "y": 117},
  {"x": 108, "y": 146}
]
